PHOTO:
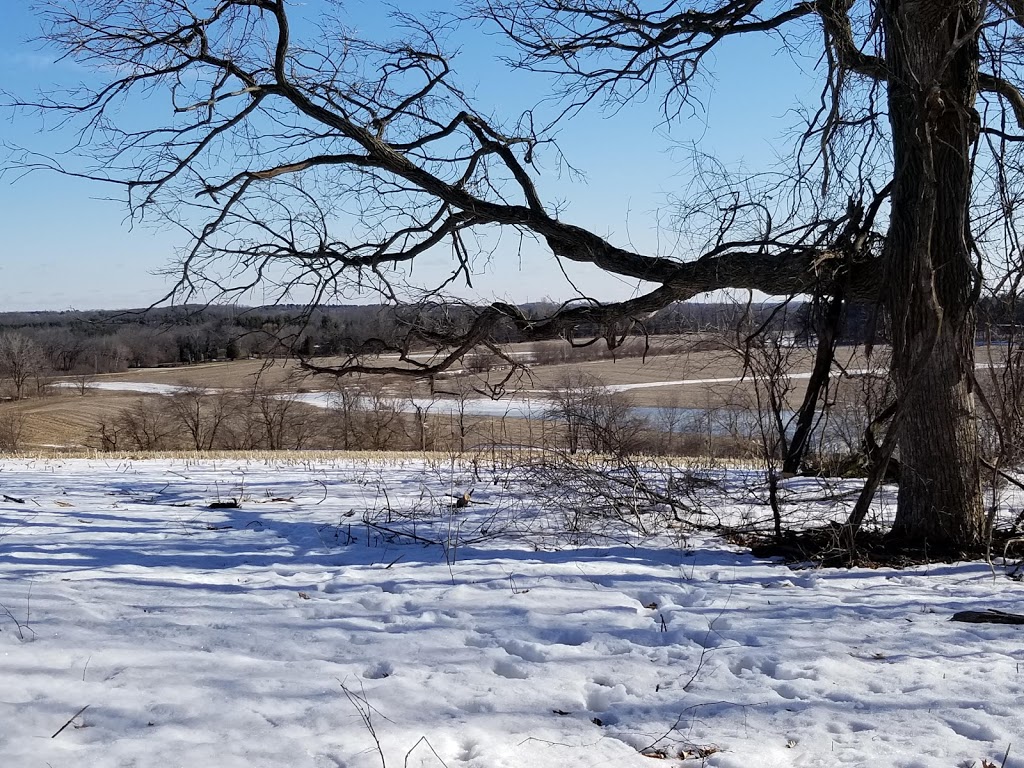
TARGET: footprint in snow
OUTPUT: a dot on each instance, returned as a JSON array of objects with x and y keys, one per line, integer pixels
[
  {"x": 570, "y": 637},
  {"x": 525, "y": 651},
  {"x": 510, "y": 670},
  {"x": 379, "y": 671},
  {"x": 601, "y": 696},
  {"x": 470, "y": 750},
  {"x": 328, "y": 761},
  {"x": 476, "y": 640},
  {"x": 974, "y": 727}
]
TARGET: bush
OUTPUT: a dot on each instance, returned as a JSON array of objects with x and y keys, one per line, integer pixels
[{"x": 12, "y": 429}]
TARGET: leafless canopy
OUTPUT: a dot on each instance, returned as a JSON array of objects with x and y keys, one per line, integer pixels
[{"x": 327, "y": 165}]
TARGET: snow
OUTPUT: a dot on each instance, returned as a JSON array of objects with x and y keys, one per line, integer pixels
[
  {"x": 142, "y": 387},
  {"x": 725, "y": 380},
  {"x": 288, "y": 632},
  {"x": 510, "y": 407}
]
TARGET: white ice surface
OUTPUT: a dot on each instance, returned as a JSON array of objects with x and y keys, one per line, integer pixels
[
  {"x": 227, "y": 638},
  {"x": 142, "y": 387},
  {"x": 515, "y": 407}
]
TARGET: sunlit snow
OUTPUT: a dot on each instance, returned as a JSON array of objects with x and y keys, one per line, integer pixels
[{"x": 289, "y": 632}]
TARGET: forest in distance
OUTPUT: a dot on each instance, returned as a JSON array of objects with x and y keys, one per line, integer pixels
[
  {"x": 230, "y": 378},
  {"x": 698, "y": 379},
  {"x": 107, "y": 341}
]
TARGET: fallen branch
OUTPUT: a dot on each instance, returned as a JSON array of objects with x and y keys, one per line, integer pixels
[
  {"x": 990, "y": 616},
  {"x": 13, "y": 499},
  {"x": 393, "y": 532}
]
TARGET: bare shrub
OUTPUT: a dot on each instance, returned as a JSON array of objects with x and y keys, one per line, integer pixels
[
  {"x": 12, "y": 429},
  {"x": 286, "y": 422},
  {"x": 381, "y": 427},
  {"x": 620, "y": 498},
  {"x": 21, "y": 359},
  {"x": 593, "y": 417},
  {"x": 200, "y": 414},
  {"x": 143, "y": 426}
]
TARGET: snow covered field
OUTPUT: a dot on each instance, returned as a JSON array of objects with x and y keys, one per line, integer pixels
[{"x": 287, "y": 632}]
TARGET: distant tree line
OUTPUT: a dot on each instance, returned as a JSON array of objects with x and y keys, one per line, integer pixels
[{"x": 35, "y": 346}]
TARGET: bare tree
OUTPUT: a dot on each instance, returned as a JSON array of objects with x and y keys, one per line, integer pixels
[
  {"x": 594, "y": 418},
  {"x": 461, "y": 390},
  {"x": 63, "y": 349},
  {"x": 12, "y": 430},
  {"x": 285, "y": 421},
  {"x": 21, "y": 359},
  {"x": 347, "y": 411},
  {"x": 201, "y": 413},
  {"x": 144, "y": 426},
  {"x": 382, "y": 418},
  {"x": 920, "y": 99}
]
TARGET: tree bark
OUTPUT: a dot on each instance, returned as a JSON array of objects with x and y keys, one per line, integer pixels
[{"x": 931, "y": 53}]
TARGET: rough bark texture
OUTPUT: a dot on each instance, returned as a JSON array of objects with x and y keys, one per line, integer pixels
[{"x": 931, "y": 51}]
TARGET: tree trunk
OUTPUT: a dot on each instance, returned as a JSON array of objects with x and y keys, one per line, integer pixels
[
  {"x": 931, "y": 51},
  {"x": 825, "y": 319}
]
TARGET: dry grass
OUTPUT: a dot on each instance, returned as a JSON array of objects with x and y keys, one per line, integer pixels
[
  {"x": 370, "y": 458},
  {"x": 67, "y": 420},
  {"x": 237, "y": 374},
  {"x": 504, "y": 458}
]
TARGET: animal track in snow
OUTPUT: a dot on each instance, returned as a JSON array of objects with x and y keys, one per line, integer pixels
[
  {"x": 600, "y": 697},
  {"x": 525, "y": 651},
  {"x": 379, "y": 671},
  {"x": 470, "y": 750},
  {"x": 511, "y": 670},
  {"x": 972, "y": 727}
]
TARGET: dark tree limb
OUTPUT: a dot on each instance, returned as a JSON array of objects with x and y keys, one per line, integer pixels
[{"x": 991, "y": 616}]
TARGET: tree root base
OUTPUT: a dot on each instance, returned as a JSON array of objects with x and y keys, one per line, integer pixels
[{"x": 830, "y": 547}]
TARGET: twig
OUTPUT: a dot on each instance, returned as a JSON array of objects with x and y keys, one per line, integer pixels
[
  {"x": 70, "y": 721},
  {"x": 362, "y": 706},
  {"x": 687, "y": 711},
  {"x": 423, "y": 740},
  {"x": 1002, "y": 473},
  {"x": 21, "y": 626},
  {"x": 393, "y": 532}
]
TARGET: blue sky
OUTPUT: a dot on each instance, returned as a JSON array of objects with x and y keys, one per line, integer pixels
[{"x": 66, "y": 247}]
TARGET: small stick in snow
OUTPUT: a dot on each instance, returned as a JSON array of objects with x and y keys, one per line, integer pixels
[
  {"x": 70, "y": 721},
  {"x": 463, "y": 500},
  {"x": 13, "y": 499}
]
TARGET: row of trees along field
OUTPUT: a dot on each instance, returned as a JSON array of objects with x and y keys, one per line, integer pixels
[
  {"x": 901, "y": 187},
  {"x": 582, "y": 416},
  {"x": 35, "y": 346}
]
